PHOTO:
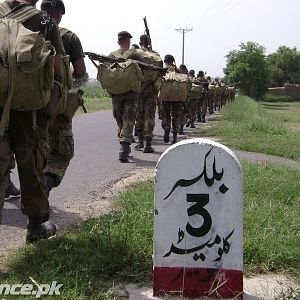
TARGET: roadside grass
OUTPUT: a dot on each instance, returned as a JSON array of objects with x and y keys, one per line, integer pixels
[
  {"x": 93, "y": 259},
  {"x": 95, "y": 98},
  {"x": 259, "y": 127}
]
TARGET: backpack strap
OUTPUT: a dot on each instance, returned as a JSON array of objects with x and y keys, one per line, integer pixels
[{"x": 12, "y": 72}]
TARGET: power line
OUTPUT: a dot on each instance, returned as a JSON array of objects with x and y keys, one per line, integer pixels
[
  {"x": 183, "y": 31},
  {"x": 222, "y": 12}
]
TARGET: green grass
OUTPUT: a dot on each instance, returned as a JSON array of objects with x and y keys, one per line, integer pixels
[
  {"x": 266, "y": 128},
  {"x": 95, "y": 98},
  {"x": 117, "y": 248}
]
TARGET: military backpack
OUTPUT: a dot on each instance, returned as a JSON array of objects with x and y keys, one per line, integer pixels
[
  {"x": 175, "y": 86},
  {"x": 26, "y": 63}
]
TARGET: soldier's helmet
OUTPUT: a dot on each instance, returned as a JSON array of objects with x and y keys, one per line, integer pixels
[
  {"x": 59, "y": 4},
  {"x": 135, "y": 46},
  {"x": 169, "y": 59}
]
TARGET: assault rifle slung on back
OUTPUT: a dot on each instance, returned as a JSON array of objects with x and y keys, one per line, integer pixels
[{"x": 106, "y": 59}]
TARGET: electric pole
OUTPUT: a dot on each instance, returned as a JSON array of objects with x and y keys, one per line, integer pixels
[{"x": 183, "y": 31}]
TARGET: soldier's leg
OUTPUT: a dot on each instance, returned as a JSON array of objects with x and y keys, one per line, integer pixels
[
  {"x": 166, "y": 121},
  {"x": 30, "y": 144},
  {"x": 117, "y": 105},
  {"x": 176, "y": 106},
  {"x": 6, "y": 155},
  {"x": 129, "y": 116},
  {"x": 61, "y": 144},
  {"x": 193, "y": 112},
  {"x": 204, "y": 102},
  {"x": 149, "y": 124},
  {"x": 140, "y": 120}
]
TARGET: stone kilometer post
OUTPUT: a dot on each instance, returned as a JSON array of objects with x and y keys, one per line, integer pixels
[{"x": 198, "y": 223}]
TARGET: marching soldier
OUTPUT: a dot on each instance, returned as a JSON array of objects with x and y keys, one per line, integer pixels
[
  {"x": 124, "y": 105},
  {"x": 26, "y": 135},
  {"x": 145, "y": 121},
  {"x": 61, "y": 138}
]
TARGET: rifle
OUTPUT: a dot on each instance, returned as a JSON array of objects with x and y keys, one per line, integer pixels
[
  {"x": 106, "y": 59},
  {"x": 147, "y": 32}
]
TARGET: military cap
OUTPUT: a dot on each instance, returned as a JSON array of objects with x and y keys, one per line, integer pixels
[
  {"x": 192, "y": 72},
  {"x": 169, "y": 58},
  {"x": 135, "y": 46},
  {"x": 59, "y": 4},
  {"x": 124, "y": 34}
]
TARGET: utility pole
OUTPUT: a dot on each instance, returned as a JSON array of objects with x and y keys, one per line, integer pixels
[{"x": 183, "y": 31}]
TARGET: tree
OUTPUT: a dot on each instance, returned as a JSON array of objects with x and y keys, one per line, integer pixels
[
  {"x": 249, "y": 67},
  {"x": 284, "y": 66}
]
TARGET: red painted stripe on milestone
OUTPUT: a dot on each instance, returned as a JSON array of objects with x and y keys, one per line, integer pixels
[{"x": 197, "y": 282}]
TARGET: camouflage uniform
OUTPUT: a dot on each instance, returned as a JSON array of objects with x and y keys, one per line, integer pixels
[
  {"x": 61, "y": 138},
  {"x": 28, "y": 143},
  {"x": 124, "y": 111},
  {"x": 145, "y": 120}
]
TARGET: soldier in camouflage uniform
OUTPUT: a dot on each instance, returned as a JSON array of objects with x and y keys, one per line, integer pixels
[
  {"x": 202, "y": 104},
  {"x": 61, "y": 138},
  {"x": 184, "y": 110},
  {"x": 124, "y": 105},
  {"x": 145, "y": 120},
  {"x": 192, "y": 103},
  {"x": 171, "y": 109},
  {"x": 30, "y": 143}
]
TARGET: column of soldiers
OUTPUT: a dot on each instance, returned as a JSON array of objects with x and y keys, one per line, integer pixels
[{"x": 40, "y": 137}]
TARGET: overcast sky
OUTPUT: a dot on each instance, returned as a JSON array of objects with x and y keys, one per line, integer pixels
[{"x": 218, "y": 26}]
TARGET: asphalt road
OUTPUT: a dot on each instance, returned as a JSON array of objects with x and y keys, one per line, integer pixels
[{"x": 94, "y": 168}]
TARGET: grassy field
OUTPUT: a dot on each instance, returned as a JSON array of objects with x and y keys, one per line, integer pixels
[
  {"x": 117, "y": 248},
  {"x": 271, "y": 128},
  {"x": 95, "y": 98}
]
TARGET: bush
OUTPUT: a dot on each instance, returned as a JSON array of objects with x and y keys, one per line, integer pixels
[{"x": 272, "y": 98}]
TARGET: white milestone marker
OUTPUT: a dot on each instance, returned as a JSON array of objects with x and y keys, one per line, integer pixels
[{"x": 198, "y": 224}]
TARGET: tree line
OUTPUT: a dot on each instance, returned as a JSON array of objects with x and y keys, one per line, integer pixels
[{"x": 256, "y": 71}]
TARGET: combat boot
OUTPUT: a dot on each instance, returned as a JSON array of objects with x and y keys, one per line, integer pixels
[
  {"x": 203, "y": 119},
  {"x": 148, "y": 148},
  {"x": 192, "y": 124},
  {"x": 174, "y": 141},
  {"x": 11, "y": 189},
  {"x": 188, "y": 123},
  {"x": 140, "y": 143},
  {"x": 124, "y": 152},
  {"x": 181, "y": 132},
  {"x": 166, "y": 135},
  {"x": 39, "y": 228}
]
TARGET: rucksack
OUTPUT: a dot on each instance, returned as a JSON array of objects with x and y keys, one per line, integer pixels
[
  {"x": 152, "y": 58},
  {"x": 26, "y": 64},
  {"x": 175, "y": 86},
  {"x": 120, "y": 78}
]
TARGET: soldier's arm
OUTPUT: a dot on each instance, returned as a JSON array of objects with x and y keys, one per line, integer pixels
[{"x": 77, "y": 57}]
